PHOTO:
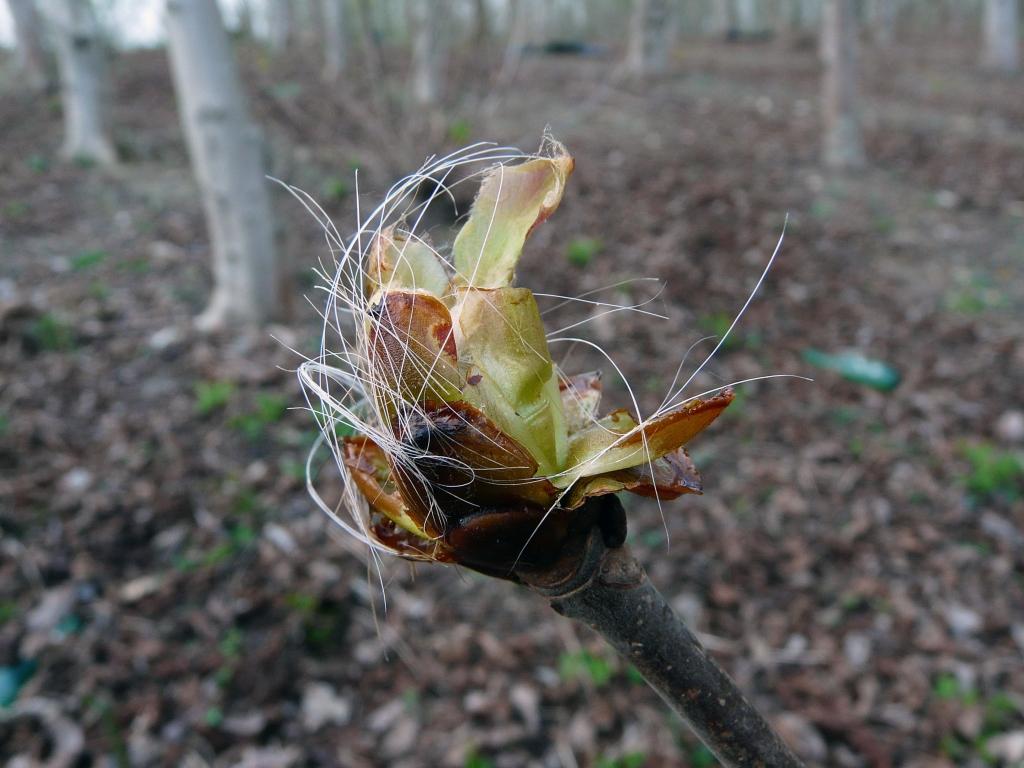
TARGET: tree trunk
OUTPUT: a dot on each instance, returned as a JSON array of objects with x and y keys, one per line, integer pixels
[
  {"x": 333, "y": 12},
  {"x": 651, "y": 37},
  {"x": 226, "y": 150},
  {"x": 82, "y": 60},
  {"x": 1001, "y": 49},
  {"x": 424, "y": 22},
  {"x": 279, "y": 23},
  {"x": 518, "y": 24},
  {"x": 882, "y": 20},
  {"x": 748, "y": 19},
  {"x": 843, "y": 146},
  {"x": 31, "y": 51}
]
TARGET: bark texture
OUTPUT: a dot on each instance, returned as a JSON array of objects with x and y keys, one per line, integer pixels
[
  {"x": 226, "y": 150},
  {"x": 85, "y": 87},
  {"x": 843, "y": 144},
  {"x": 31, "y": 49},
  {"x": 1001, "y": 46},
  {"x": 606, "y": 588}
]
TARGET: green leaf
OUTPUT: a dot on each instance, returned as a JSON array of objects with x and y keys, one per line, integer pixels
[
  {"x": 398, "y": 263},
  {"x": 510, "y": 378},
  {"x": 512, "y": 201}
]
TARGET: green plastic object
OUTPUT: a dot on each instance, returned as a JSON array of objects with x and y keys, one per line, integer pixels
[
  {"x": 853, "y": 366},
  {"x": 13, "y": 678}
]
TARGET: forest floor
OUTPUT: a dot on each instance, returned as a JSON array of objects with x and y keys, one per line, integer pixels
[{"x": 172, "y": 596}]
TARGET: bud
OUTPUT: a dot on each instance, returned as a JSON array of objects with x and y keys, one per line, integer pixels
[{"x": 476, "y": 448}]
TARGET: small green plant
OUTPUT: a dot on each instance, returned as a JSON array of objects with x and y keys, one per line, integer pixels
[
  {"x": 947, "y": 687},
  {"x": 214, "y": 717},
  {"x": 994, "y": 473},
  {"x": 475, "y": 760},
  {"x": 459, "y": 131},
  {"x": 88, "y": 259},
  {"x": 701, "y": 757},
  {"x": 8, "y": 610},
  {"x": 16, "y": 209},
  {"x": 336, "y": 189},
  {"x": 38, "y": 163},
  {"x": 212, "y": 395},
  {"x": 5, "y": 424},
  {"x": 628, "y": 760},
  {"x": 269, "y": 409},
  {"x": 584, "y": 664},
  {"x": 582, "y": 250},
  {"x": 975, "y": 294},
  {"x": 50, "y": 333},
  {"x": 717, "y": 324}
]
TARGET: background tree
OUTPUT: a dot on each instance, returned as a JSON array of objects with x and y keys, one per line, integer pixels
[
  {"x": 85, "y": 87},
  {"x": 651, "y": 36},
  {"x": 424, "y": 17},
  {"x": 335, "y": 30},
  {"x": 843, "y": 144},
  {"x": 31, "y": 49},
  {"x": 1001, "y": 28},
  {"x": 226, "y": 150},
  {"x": 279, "y": 24}
]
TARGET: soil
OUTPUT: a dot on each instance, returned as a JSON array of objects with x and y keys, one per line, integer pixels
[{"x": 856, "y": 562}]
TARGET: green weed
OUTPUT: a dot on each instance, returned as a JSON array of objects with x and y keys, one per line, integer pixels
[
  {"x": 459, "y": 131},
  {"x": 269, "y": 409},
  {"x": 336, "y": 189},
  {"x": 583, "y": 664},
  {"x": 994, "y": 473},
  {"x": 629, "y": 760},
  {"x": 88, "y": 259},
  {"x": 51, "y": 334},
  {"x": 582, "y": 250},
  {"x": 212, "y": 395}
]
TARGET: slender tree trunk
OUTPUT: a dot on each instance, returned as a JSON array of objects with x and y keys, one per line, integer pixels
[
  {"x": 748, "y": 19},
  {"x": 1001, "y": 46},
  {"x": 882, "y": 21},
  {"x": 279, "y": 23},
  {"x": 518, "y": 36},
  {"x": 31, "y": 51},
  {"x": 424, "y": 22},
  {"x": 843, "y": 145},
  {"x": 82, "y": 60},
  {"x": 651, "y": 37},
  {"x": 335, "y": 27},
  {"x": 226, "y": 150}
]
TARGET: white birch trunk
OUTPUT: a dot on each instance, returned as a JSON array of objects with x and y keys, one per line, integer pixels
[
  {"x": 882, "y": 20},
  {"x": 226, "y": 150},
  {"x": 651, "y": 37},
  {"x": 1001, "y": 46},
  {"x": 85, "y": 88},
  {"x": 747, "y": 17},
  {"x": 335, "y": 28},
  {"x": 30, "y": 50},
  {"x": 279, "y": 24},
  {"x": 518, "y": 24},
  {"x": 843, "y": 145},
  {"x": 426, "y": 77}
]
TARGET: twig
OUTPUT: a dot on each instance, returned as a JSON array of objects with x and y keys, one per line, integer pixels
[{"x": 604, "y": 586}]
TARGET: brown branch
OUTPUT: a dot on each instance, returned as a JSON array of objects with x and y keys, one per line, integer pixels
[{"x": 601, "y": 584}]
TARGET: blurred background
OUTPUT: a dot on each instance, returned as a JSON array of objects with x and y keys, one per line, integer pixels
[{"x": 169, "y": 595}]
